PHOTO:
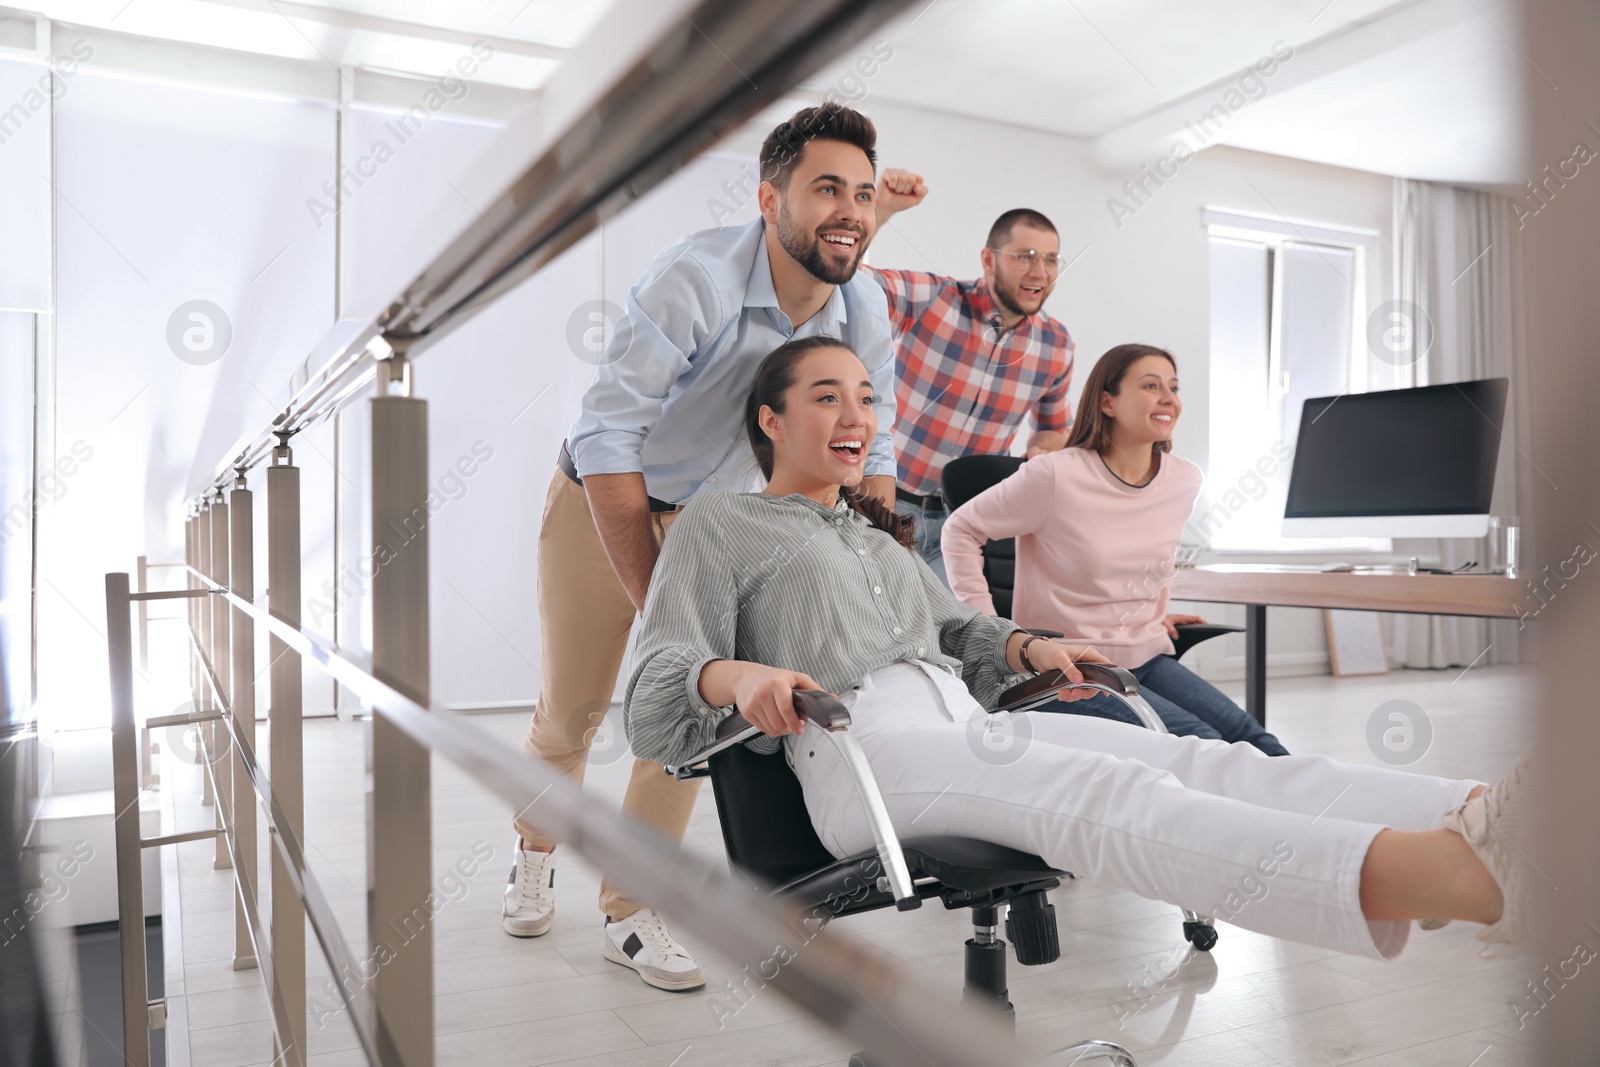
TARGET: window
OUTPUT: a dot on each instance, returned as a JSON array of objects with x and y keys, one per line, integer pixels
[{"x": 1286, "y": 303}]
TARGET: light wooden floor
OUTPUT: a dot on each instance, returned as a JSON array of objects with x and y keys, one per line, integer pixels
[{"x": 556, "y": 1000}]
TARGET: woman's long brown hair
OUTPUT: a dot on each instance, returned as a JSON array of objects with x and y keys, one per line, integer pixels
[
  {"x": 1092, "y": 428},
  {"x": 774, "y": 378}
]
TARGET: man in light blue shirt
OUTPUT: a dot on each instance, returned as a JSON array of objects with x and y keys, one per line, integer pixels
[
  {"x": 664, "y": 421},
  {"x": 668, "y": 401}
]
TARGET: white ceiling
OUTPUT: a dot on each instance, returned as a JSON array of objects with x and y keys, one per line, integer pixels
[
  {"x": 1422, "y": 88},
  {"x": 1446, "y": 107},
  {"x": 1085, "y": 67},
  {"x": 417, "y": 37}
]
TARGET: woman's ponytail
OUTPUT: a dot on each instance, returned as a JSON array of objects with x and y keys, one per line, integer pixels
[{"x": 903, "y": 528}]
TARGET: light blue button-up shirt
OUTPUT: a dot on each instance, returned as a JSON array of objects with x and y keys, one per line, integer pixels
[{"x": 668, "y": 401}]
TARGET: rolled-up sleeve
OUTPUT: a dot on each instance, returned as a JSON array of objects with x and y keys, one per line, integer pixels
[
  {"x": 690, "y": 619},
  {"x": 674, "y": 309},
  {"x": 909, "y": 293},
  {"x": 1053, "y": 411},
  {"x": 976, "y": 639},
  {"x": 868, "y": 332},
  {"x": 880, "y": 457}
]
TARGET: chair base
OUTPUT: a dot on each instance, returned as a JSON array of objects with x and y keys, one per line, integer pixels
[
  {"x": 1088, "y": 1051},
  {"x": 1082, "y": 1052},
  {"x": 986, "y": 977},
  {"x": 1199, "y": 931}
]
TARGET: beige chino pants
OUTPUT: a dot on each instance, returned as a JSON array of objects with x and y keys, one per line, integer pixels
[{"x": 584, "y": 619}]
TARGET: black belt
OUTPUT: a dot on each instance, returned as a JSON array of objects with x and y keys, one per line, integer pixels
[
  {"x": 931, "y": 502},
  {"x": 570, "y": 469}
]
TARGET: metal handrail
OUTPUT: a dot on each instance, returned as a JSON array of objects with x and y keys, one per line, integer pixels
[
  {"x": 829, "y": 978},
  {"x": 286, "y": 839},
  {"x": 682, "y": 78},
  {"x": 637, "y": 859}
]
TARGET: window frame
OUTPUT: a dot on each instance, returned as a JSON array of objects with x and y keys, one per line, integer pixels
[{"x": 1273, "y": 234}]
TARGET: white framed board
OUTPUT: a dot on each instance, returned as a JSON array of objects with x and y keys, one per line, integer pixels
[{"x": 1355, "y": 642}]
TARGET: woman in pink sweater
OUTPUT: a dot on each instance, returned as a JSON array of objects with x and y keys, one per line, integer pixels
[{"x": 1097, "y": 526}]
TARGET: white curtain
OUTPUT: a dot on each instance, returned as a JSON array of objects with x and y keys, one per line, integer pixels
[{"x": 1458, "y": 258}]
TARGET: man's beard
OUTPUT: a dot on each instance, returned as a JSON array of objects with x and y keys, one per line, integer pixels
[
  {"x": 806, "y": 249},
  {"x": 1009, "y": 298}
]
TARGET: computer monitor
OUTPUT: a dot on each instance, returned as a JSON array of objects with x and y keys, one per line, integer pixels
[{"x": 1397, "y": 463}]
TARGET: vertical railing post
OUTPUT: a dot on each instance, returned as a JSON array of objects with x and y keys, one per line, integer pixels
[
  {"x": 242, "y": 695},
  {"x": 284, "y": 743},
  {"x": 146, "y": 771},
  {"x": 144, "y": 615},
  {"x": 217, "y": 651},
  {"x": 202, "y": 545},
  {"x": 188, "y": 583},
  {"x": 192, "y": 605},
  {"x": 125, "y": 825},
  {"x": 400, "y": 845}
]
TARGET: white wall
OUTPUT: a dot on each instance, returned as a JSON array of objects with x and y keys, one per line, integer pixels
[
  {"x": 166, "y": 194},
  {"x": 508, "y": 383}
]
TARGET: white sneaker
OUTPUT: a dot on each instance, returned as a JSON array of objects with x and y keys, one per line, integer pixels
[
  {"x": 530, "y": 900},
  {"x": 1499, "y": 825},
  {"x": 641, "y": 941}
]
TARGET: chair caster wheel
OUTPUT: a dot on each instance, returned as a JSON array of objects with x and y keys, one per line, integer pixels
[
  {"x": 1200, "y": 935},
  {"x": 859, "y": 1060}
]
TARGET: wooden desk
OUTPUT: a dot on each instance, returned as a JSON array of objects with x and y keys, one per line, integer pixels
[{"x": 1366, "y": 589}]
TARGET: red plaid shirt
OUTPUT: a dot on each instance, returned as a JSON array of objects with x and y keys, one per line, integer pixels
[{"x": 961, "y": 385}]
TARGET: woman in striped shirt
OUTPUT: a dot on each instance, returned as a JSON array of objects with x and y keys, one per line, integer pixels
[{"x": 810, "y": 585}]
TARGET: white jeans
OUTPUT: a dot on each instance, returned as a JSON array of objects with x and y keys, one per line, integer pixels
[{"x": 1272, "y": 844}]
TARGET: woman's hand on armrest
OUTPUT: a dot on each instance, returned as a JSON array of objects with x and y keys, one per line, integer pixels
[
  {"x": 762, "y": 693},
  {"x": 1047, "y": 655},
  {"x": 1172, "y": 622}
]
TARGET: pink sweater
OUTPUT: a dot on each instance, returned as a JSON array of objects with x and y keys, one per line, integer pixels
[{"x": 1094, "y": 554}]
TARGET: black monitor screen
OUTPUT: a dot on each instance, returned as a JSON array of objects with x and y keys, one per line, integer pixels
[{"x": 1427, "y": 451}]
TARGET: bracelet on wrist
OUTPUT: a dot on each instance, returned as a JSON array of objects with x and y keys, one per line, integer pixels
[{"x": 1022, "y": 654}]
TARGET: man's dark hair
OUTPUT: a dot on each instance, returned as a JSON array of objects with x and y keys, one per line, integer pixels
[
  {"x": 1000, "y": 232},
  {"x": 782, "y": 149}
]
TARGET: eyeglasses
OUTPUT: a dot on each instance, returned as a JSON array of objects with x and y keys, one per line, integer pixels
[{"x": 1029, "y": 256}]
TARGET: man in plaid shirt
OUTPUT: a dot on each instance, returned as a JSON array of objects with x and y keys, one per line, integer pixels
[{"x": 972, "y": 357}]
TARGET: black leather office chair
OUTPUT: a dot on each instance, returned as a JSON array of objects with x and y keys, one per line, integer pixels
[
  {"x": 968, "y": 476},
  {"x": 769, "y": 836}
]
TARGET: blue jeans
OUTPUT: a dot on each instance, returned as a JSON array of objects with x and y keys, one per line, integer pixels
[
  {"x": 929, "y": 526},
  {"x": 1186, "y": 702}
]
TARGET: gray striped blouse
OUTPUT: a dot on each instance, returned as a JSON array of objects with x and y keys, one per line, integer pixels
[{"x": 788, "y": 582}]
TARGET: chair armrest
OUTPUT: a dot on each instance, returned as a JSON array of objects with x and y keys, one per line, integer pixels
[
  {"x": 825, "y": 710},
  {"x": 731, "y": 731},
  {"x": 1192, "y": 633},
  {"x": 1042, "y": 688},
  {"x": 1106, "y": 677},
  {"x": 819, "y": 707},
  {"x": 822, "y": 708}
]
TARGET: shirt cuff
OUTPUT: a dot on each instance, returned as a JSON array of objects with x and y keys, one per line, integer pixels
[
  {"x": 761, "y": 744},
  {"x": 609, "y": 452},
  {"x": 1002, "y": 668},
  {"x": 696, "y": 701},
  {"x": 880, "y": 459}
]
